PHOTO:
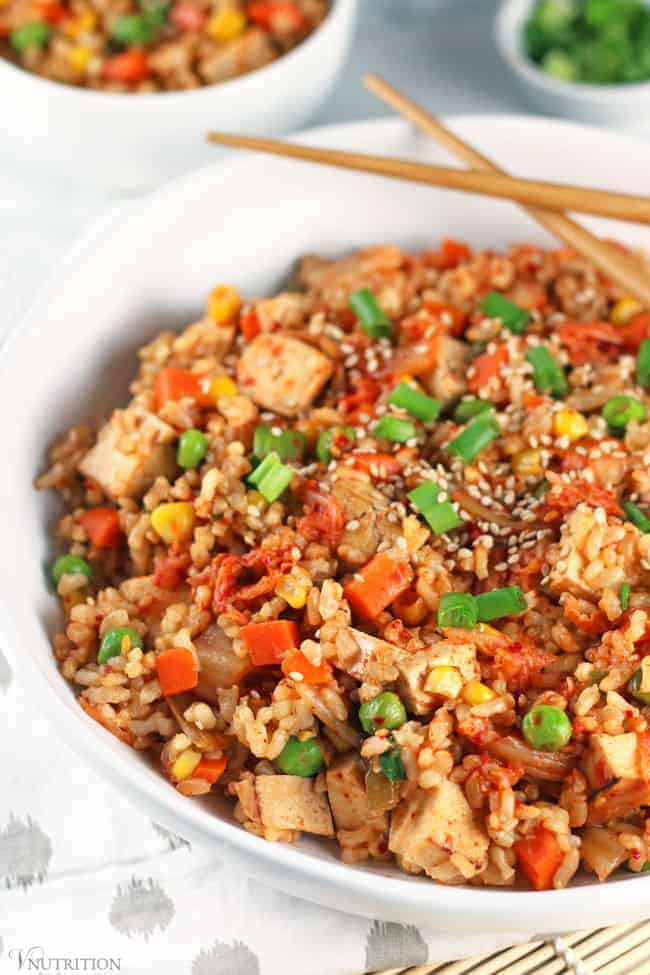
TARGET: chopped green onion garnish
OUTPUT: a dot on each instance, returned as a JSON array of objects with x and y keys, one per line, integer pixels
[
  {"x": 392, "y": 766},
  {"x": 619, "y": 410},
  {"x": 394, "y": 429},
  {"x": 374, "y": 321},
  {"x": 418, "y": 404},
  {"x": 340, "y": 437},
  {"x": 636, "y": 516},
  {"x": 548, "y": 376},
  {"x": 643, "y": 364},
  {"x": 624, "y": 595},
  {"x": 288, "y": 445},
  {"x": 271, "y": 477},
  {"x": 512, "y": 317},
  {"x": 467, "y": 409},
  {"x": 441, "y": 516},
  {"x": 458, "y": 609},
  {"x": 596, "y": 676},
  {"x": 477, "y": 435},
  {"x": 500, "y": 602}
]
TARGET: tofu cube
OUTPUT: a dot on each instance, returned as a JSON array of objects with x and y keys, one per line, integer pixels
[
  {"x": 436, "y": 831},
  {"x": 282, "y": 374},
  {"x": 611, "y": 757},
  {"x": 125, "y": 464},
  {"x": 291, "y": 802},
  {"x": 346, "y": 788},
  {"x": 414, "y": 669}
]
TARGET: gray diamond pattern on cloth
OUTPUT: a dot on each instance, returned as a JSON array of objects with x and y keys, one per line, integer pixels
[
  {"x": 140, "y": 908},
  {"x": 391, "y": 945},
  {"x": 174, "y": 840},
  {"x": 224, "y": 959},
  {"x": 25, "y": 853}
]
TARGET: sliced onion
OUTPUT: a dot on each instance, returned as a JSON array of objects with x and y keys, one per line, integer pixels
[
  {"x": 381, "y": 794},
  {"x": 548, "y": 766},
  {"x": 206, "y": 741},
  {"x": 481, "y": 512}
]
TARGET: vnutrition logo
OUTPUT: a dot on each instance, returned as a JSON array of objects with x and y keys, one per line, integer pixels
[{"x": 34, "y": 959}]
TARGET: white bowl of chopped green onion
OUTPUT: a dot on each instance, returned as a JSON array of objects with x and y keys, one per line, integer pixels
[{"x": 582, "y": 59}]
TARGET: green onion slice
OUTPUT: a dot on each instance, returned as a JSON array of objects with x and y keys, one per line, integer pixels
[
  {"x": 392, "y": 766},
  {"x": 619, "y": 410},
  {"x": 394, "y": 429},
  {"x": 288, "y": 445},
  {"x": 467, "y": 409},
  {"x": 35, "y": 34},
  {"x": 271, "y": 477},
  {"x": 417, "y": 404},
  {"x": 458, "y": 609},
  {"x": 374, "y": 321},
  {"x": 339, "y": 437},
  {"x": 513, "y": 318},
  {"x": 548, "y": 376},
  {"x": 475, "y": 437},
  {"x": 643, "y": 364},
  {"x": 624, "y": 595},
  {"x": 441, "y": 516},
  {"x": 636, "y": 516},
  {"x": 500, "y": 602}
]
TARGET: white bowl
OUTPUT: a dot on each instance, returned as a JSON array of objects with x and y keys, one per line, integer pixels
[
  {"x": 129, "y": 142},
  {"x": 625, "y": 106},
  {"x": 74, "y": 354}
]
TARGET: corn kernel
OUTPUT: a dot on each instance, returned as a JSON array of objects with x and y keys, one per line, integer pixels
[
  {"x": 225, "y": 25},
  {"x": 292, "y": 592},
  {"x": 625, "y": 310},
  {"x": 527, "y": 463},
  {"x": 486, "y": 628},
  {"x": 78, "y": 58},
  {"x": 185, "y": 765},
  {"x": 84, "y": 23},
  {"x": 445, "y": 681},
  {"x": 173, "y": 521},
  {"x": 474, "y": 693},
  {"x": 222, "y": 386},
  {"x": 570, "y": 424}
]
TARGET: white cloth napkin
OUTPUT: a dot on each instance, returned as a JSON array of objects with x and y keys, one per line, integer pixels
[{"x": 85, "y": 875}]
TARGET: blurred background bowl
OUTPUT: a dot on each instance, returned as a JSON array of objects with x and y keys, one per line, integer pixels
[
  {"x": 129, "y": 142},
  {"x": 622, "y": 105}
]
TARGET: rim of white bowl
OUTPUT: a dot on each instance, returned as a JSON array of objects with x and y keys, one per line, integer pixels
[
  {"x": 508, "y": 29},
  {"x": 158, "y": 100},
  {"x": 449, "y": 907}
]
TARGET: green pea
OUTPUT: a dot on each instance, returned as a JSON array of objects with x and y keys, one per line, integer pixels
[
  {"x": 546, "y": 728},
  {"x": 392, "y": 766},
  {"x": 192, "y": 448},
  {"x": 384, "y": 711},
  {"x": 133, "y": 30},
  {"x": 634, "y": 685},
  {"x": 303, "y": 758},
  {"x": 67, "y": 565},
  {"x": 36, "y": 34},
  {"x": 619, "y": 410},
  {"x": 340, "y": 437},
  {"x": 111, "y": 645}
]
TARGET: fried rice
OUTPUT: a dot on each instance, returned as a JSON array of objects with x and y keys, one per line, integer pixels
[{"x": 371, "y": 556}]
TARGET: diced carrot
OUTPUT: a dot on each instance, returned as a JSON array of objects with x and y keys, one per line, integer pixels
[
  {"x": 177, "y": 671},
  {"x": 128, "y": 68},
  {"x": 268, "y": 642},
  {"x": 277, "y": 16},
  {"x": 175, "y": 384},
  {"x": 210, "y": 769},
  {"x": 297, "y": 663},
  {"x": 486, "y": 367},
  {"x": 187, "y": 16},
  {"x": 539, "y": 856},
  {"x": 453, "y": 318},
  {"x": 451, "y": 254},
  {"x": 376, "y": 465},
  {"x": 49, "y": 11},
  {"x": 102, "y": 526},
  {"x": 635, "y": 331},
  {"x": 96, "y": 714},
  {"x": 249, "y": 326},
  {"x": 377, "y": 584}
]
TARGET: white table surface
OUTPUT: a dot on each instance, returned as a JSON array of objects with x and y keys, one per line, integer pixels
[{"x": 441, "y": 51}]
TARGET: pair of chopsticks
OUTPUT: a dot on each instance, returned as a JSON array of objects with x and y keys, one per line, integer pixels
[{"x": 544, "y": 201}]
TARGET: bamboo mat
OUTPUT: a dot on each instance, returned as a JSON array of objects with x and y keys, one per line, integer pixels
[{"x": 621, "y": 950}]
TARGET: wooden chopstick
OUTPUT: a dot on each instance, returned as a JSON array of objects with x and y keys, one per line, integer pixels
[
  {"x": 624, "y": 270},
  {"x": 553, "y": 196}
]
